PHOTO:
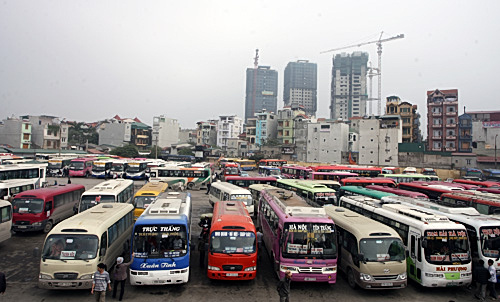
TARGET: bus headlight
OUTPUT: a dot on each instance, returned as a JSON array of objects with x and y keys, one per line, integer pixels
[
  {"x": 434, "y": 275},
  {"x": 251, "y": 268},
  {"x": 87, "y": 277},
  {"x": 402, "y": 276},
  {"x": 365, "y": 277},
  {"x": 468, "y": 274},
  {"x": 329, "y": 269},
  {"x": 289, "y": 268},
  {"x": 213, "y": 268},
  {"x": 37, "y": 224},
  {"x": 45, "y": 277}
]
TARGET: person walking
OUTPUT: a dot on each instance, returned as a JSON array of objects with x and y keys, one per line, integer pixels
[
  {"x": 120, "y": 275},
  {"x": 259, "y": 242},
  {"x": 283, "y": 287},
  {"x": 101, "y": 279},
  {"x": 492, "y": 281},
  {"x": 201, "y": 250},
  {"x": 3, "y": 284},
  {"x": 481, "y": 276}
]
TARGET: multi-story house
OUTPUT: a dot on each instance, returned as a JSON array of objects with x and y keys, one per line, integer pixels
[
  {"x": 15, "y": 132},
  {"x": 465, "y": 133},
  {"x": 442, "y": 120},
  {"x": 140, "y": 135},
  {"x": 409, "y": 117},
  {"x": 48, "y": 132},
  {"x": 229, "y": 126},
  {"x": 165, "y": 131},
  {"x": 206, "y": 134},
  {"x": 266, "y": 127},
  {"x": 286, "y": 119},
  {"x": 378, "y": 140}
]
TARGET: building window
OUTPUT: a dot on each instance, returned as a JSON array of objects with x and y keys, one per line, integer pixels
[{"x": 26, "y": 126}]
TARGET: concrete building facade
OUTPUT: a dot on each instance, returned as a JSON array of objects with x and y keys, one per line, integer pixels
[
  {"x": 206, "y": 133},
  {"x": 48, "y": 132},
  {"x": 442, "y": 120},
  {"x": 286, "y": 118},
  {"x": 379, "y": 139},
  {"x": 15, "y": 132},
  {"x": 301, "y": 85},
  {"x": 326, "y": 142},
  {"x": 410, "y": 118},
  {"x": 228, "y": 126},
  {"x": 261, "y": 91},
  {"x": 165, "y": 131},
  {"x": 266, "y": 127}
]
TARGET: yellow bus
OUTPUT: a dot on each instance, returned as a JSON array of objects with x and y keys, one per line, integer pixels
[
  {"x": 247, "y": 164},
  {"x": 146, "y": 195}
]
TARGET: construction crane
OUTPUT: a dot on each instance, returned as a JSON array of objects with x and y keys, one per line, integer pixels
[{"x": 379, "y": 68}]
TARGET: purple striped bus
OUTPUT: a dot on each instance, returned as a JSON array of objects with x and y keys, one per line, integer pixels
[
  {"x": 337, "y": 176},
  {"x": 295, "y": 172}
]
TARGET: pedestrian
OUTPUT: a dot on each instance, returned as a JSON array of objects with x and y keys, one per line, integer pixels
[
  {"x": 259, "y": 242},
  {"x": 209, "y": 184},
  {"x": 201, "y": 250},
  {"x": 120, "y": 275},
  {"x": 101, "y": 279},
  {"x": 3, "y": 283},
  {"x": 481, "y": 276},
  {"x": 492, "y": 281},
  {"x": 283, "y": 287},
  {"x": 69, "y": 179}
]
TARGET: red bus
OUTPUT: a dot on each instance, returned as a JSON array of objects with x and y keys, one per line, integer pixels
[
  {"x": 360, "y": 170},
  {"x": 337, "y": 176},
  {"x": 366, "y": 181},
  {"x": 295, "y": 172},
  {"x": 246, "y": 182},
  {"x": 450, "y": 184},
  {"x": 41, "y": 209},
  {"x": 482, "y": 184},
  {"x": 232, "y": 249},
  {"x": 484, "y": 203},
  {"x": 230, "y": 169},
  {"x": 489, "y": 190},
  {"x": 399, "y": 192},
  {"x": 81, "y": 167},
  {"x": 432, "y": 191},
  {"x": 272, "y": 162}
]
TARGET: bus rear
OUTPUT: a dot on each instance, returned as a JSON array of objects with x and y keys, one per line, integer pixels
[
  {"x": 5, "y": 220},
  {"x": 147, "y": 195}
]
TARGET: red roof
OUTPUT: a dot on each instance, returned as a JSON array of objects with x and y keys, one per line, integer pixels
[
  {"x": 447, "y": 91},
  {"x": 487, "y": 159}
]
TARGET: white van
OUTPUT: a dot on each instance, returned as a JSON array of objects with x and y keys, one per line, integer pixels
[{"x": 221, "y": 190}]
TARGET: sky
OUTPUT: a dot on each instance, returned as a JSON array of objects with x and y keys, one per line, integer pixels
[{"x": 90, "y": 60}]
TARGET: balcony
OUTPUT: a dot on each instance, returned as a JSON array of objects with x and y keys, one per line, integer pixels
[
  {"x": 452, "y": 113},
  {"x": 437, "y": 137},
  {"x": 436, "y": 149},
  {"x": 450, "y": 149},
  {"x": 451, "y": 125},
  {"x": 437, "y": 125},
  {"x": 437, "y": 114},
  {"x": 464, "y": 136},
  {"x": 451, "y": 137},
  {"x": 468, "y": 150}
]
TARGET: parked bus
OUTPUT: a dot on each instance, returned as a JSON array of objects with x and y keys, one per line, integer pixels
[
  {"x": 409, "y": 177},
  {"x": 232, "y": 249},
  {"x": 449, "y": 184},
  {"x": 484, "y": 203},
  {"x": 223, "y": 161},
  {"x": 269, "y": 171},
  {"x": 136, "y": 169},
  {"x": 491, "y": 175},
  {"x": 192, "y": 178},
  {"x": 161, "y": 241},
  {"x": 482, "y": 184},
  {"x": 59, "y": 166},
  {"x": 295, "y": 172},
  {"x": 366, "y": 181},
  {"x": 118, "y": 168},
  {"x": 361, "y": 191},
  {"x": 438, "y": 252},
  {"x": 272, "y": 162},
  {"x": 245, "y": 182},
  {"x": 432, "y": 191},
  {"x": 9, "y": 188},
  {"x": 74, "y": 247},
  {"x": 489, "y": 190},
  {"x": 230, "y": 169},
  {"x": 102, "y": 168},
  {"x": 298, "y": 237},
  {"x": 371, "y": 254},
  {"x": 315, "y": 194},
  {"x": 81, "y": 167},
  {"x": 41, "y": 209},
  {"x": 178, "y": 157},
  {"x": 224, "y": 191},
  {"x": 471, "y": 173},
  {"x": 336, "y": 176},
  {"x": 247, "y": 164},
  {"x": 332, "y": 184},
  {"x": 5, "y": 220},
  {"x": 146, "y": 195},
  {"x": 360, "y": 170},
  {"x": 389, "y": 170},
  {"x": 25, "y": 171},
  {"x": 399, "y": 192},
  {"x": 109, "y": 191},
  {"x": 255, "y": 191}
]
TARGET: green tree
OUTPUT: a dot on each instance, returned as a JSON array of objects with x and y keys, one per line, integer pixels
[
  {"x": 125, "y": 151},
  {"x": 155, "y": 152},
  {"x": 79, "y": 133},
  {"x": 185, "y": 151}
]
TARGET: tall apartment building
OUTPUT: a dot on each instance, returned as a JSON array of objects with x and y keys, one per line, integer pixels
[
  {"x": 48, "y": 132},
  {"x": 165, "y": 131},
  {"x": 261, "y": 91},
  {"x": 228, "y": 126},
  {"x": 409, "y": 118},
  {"x": 206, "y": 133},
  {"x": 442, "y": 120},
  {"x": 15, "y": 132},
  {"x": 348, "y": 89},
  {"x": 301, "y": 85},
  {"x": 286, "y": 118}
]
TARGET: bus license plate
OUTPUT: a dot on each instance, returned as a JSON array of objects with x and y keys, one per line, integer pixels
[
  {"x": 22, "y": 226},
  {"x": 65, "y": 284},
  {"x": 309, "y": 279},
  {"x": 232, "y": 274},
  {"x": 387, "y": 284}
]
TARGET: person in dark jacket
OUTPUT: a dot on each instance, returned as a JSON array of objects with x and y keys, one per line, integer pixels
[
  {"x": 3, "y": 283},
  {"x": 481, "y": 276},
  {"x": 121, "y": 275},
  {"x": 283, "y": 287}
]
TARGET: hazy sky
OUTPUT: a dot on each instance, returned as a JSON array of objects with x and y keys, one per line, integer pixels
[{"x": 90, "y": 60}]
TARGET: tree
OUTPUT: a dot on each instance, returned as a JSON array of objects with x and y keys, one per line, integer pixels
[
  {"x": 271, "y": 142},
  {"x": 155, "y": 152},
  {"x": 185, "y": 151},
  {"x": 125, "y": 151},
  {"x": 79, "y": 133}
]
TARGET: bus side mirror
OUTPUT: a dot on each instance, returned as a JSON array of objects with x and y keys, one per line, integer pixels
[{"x": 424, "y": 244}]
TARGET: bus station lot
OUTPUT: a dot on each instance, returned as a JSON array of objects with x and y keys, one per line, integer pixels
[{"x": 22, "y": 268}]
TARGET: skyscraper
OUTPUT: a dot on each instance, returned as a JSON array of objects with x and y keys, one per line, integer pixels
[
  {"x": 300, "y": 86},
  {"x": 261, "y": 91},
  {"x": 348, "y": 92}
]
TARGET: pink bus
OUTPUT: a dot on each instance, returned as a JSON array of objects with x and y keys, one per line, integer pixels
[
  {"x": 400, "y": 192},
  {"x": 298, "y": 237},
  {"x": 81, "y": 167},
  {"x": 337, "y": 176},
  {"x": 295, "y": 172}
]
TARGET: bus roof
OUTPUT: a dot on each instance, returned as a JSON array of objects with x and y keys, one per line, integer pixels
[
  {"x": 231, "y": 215},
  {"x": 366, "y": 192},
  {"x": 169, "y": 205},
  {"x": 112, "y": 185},
  {"x": 397, "y": 191},
  {"x": 293, "y": 205},
  {"x": 152, "y": 188},
  {"x": 222, "y": 185},
  {"x": 50, "y": 191}
]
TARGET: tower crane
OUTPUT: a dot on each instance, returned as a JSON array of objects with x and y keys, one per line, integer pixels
[{"x": 379, "y": 52}]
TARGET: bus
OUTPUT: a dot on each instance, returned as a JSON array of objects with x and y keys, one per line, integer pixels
[
  {"x": 178, "y": 157},
  {"x": 146, "y": 195},
  {"x": 223, "y": 161},
  {"x": 25, "y": 171},
  {"x": 432, "y": 191},
  {"x": 73, "y": 249},
  {"x": 247, "y": 164},
  {"x": 9, "y": 188},
  {"x": 336, "y": 176},
  {"x": 491, "y": 175},
  {"x": 102, "y": 168},
  {"x": 484, "y": 203},
  {"x": 399, "y": 192},
  {"x": 438, "y": 252},
  {"x": 161, "y": 241},
  {"x": 81, "y": 167},
  {"x": 483, "y": 230},
  {"x": 409, "y": 177},
  {"x": 361, "y": 191},
  {"x": 41, "y": 209},
  {"x": 315, "y": 194},
  {"x": 230, "y": 169},
  {"x": 366, "y": 181},
  {"x": 224, "y": 191},
  {"x": 245, "y": 182},
  {"x": 482, "y": 184},
  {"x": 192, "y": 178},
  {"x": 298, "y": 237},
  {"x": 136, "y": 169},
  {"x": 272, "y": 162},
  {"x": 269, "y": 171},
  {"x": 295, "y": 172},
  {"x": 371, "y": 254},
  {"x": 5, "y": 220},
  {"x": 449, "y": 184},
  {"x": 232, "y": 248},
  {"x": 471, "y": 173},
  {"x": 109, "y": 191},
  {"x": 255, "y": 191},
  {"x": 360, "y": 170},
  {"x": 59, "y": 166},
  {"x": 489, "y": 190},
  {"x": 118, "y": 168},
  {"x": 332, "y": 184}
]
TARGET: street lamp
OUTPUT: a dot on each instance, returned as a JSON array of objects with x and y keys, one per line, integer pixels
[{"x": 496, "y": 135}]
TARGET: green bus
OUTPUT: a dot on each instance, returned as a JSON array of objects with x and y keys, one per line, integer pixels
[
  {"x": 312, "y": 191},
  {"x": 398, "y": 178},
  {"x": 361, "y": 191}
]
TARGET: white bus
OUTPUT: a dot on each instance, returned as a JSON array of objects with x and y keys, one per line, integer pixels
[
  {"x": 438, "y": 252},
  {"x": 255, "y": 191},
  {"x": 5, "y": 220},
  {"x": 136, "y": 169},
  {"x": 118, "y": 168},
  {"x": 109, "y": 191},
  {"x": 225, "y": 191},
  {"x": 9, "y": 188},
  {"x": 371, "y": 254},
  {"x": 75, "y": 246},
  {"x": 102, "y": 168},
  {"x": 59, "y": 166},
  {"x": 25, "y": 171}
]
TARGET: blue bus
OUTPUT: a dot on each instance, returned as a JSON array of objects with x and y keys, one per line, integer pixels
[
  {"x": 161, "y": 241},
  {"x": 269, "y": 171}
]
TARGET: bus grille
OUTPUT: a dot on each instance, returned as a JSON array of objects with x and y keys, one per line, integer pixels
[
  {"x": 388, "y": 277},
  {"x": 232, "y": 267},
  {"x": 22, "y": 223},
  {"x": 310, "y": 270},
  {"x": 65, "y": 276}
]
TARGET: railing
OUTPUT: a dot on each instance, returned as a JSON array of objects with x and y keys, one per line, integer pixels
[
  {"x": 451, "y": 137},
  {"x": 451, "y": 149},
  {"x": 437, "y": 113}
]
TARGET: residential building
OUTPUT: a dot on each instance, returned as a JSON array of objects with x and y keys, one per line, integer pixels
[
  {"x": 140, "y": 135},
  {"x": 117, "y": 132},
  {"x": 378, "y": 140},
  {"x": 266, "y": 127},
  {"x": 228, "y": 126},
  {"x": 442, "y": 120},
  {"x": 300, "y": 132},
  {"x": 236, "y": 147},
  {"x": 300, "y": 86},
  {"x": 207, "y": 133},
  {"x": 465, "y": 133},
  {"x": 286, "y": 119},
  {"x": 165, "y": 131},
  {"x": 485, "y": 116},
  {"x": 348, "y": 89},
  {"x": 250, "y": 134},
  {"x": 326, "y": 141},
  {"x": 48, "y": 132},
  {"x": 261, "y": 91},
  {"x": 15, "y": 132},
  {"x": 409, "y": 117},
  {"x": 187, "y": 136}
]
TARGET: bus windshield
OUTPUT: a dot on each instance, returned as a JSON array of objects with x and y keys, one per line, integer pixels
[
  {"x": 306, "y": 239},
  {"x": 117, "y": 167},
  {"x": 70, "y": 247},
  {"x": 490, "y": 241},
  {"x": 76, "y": 165},
  {"x": 231, "y": 171},
  {"x": 135, "y": 168},
  {"x": 55, "y": 165},
  {"x": 245, "y": 198},
  {"x": 160, "y": 241},
  {"x": 232, "y": 242},
  {"x": 141, "y": 202},
  {"x": 325, "y": 197},
  {"x": 89, "y": 201},
  {"x": 446, "y": 246},
  {"x": 382, "y": 249},
  {"x": 98, "y": 168},
  {"x": 27, "y": 205}
]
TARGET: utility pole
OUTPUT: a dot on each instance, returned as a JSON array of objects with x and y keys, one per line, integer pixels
[{"x": 496, "y": 135}]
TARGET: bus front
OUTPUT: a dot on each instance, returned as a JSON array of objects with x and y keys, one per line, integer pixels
[
  {"x": 101, "y": 169},
  {"x": 77, "y": 168},
  {"x": 91, "y": 200},
  {"x": 55, "y": 167},
  {"x": 136, "y": 170},
  {"x": 247, "y": 200},
  {"x": 489, "y": 245},
  {"x": 30, "y": 213},
  {"x": 309, "y": 251},
  {"x": 117, "y": 169},
  {"x": 161, "y": 252}
]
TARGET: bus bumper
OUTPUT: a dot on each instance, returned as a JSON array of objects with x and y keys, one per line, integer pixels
[
  {"x": 300, "y": 277},
  {"x": 231, "y": 275},
  {"x": 36, "y": 226},
  {"x": 65, "y": 284},
  {"x": 160, "y": 277}
]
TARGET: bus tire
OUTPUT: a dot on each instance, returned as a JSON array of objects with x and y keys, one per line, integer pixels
[
  {"x": 190, "y": 185},
  {"x": 350, "y": 279},
  {"x": 48, "y": 226}
]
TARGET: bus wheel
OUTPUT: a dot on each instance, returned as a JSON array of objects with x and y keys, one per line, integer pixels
[
  {"x": 190, "y": 185},
  {"x": 47, "y": 227},
  {"x": 351, "y": 280}
]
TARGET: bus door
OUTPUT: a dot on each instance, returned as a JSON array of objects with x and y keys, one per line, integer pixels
[{"x": 414, "y": 256}]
